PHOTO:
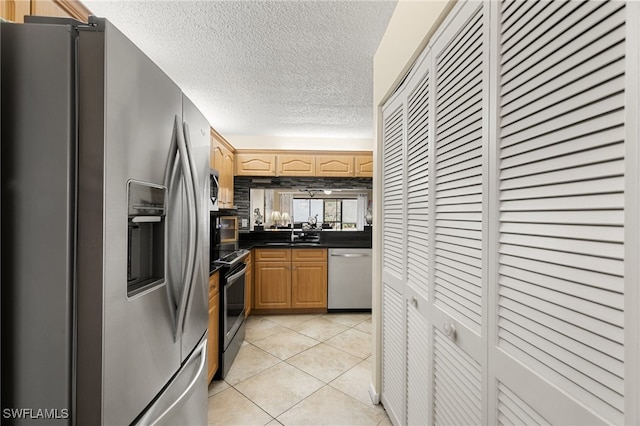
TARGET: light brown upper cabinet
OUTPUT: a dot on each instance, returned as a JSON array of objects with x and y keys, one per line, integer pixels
[
  {"x": 334, "y": 165},
  {"x": 223, "y": 160},
  {"x": 296, "y": 165},
  {"x": 304, "y": 163},
  {"x": 364, "y": 166},
  {"x": 255, "y": 164},
  {"x": 15, "y": 10}
]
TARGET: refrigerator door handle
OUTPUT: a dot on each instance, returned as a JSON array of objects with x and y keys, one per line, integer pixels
[
  {"x": 170, "y": 172},
  {"x": 192, "y": 232},
  {"x": 196, "y": 208}
]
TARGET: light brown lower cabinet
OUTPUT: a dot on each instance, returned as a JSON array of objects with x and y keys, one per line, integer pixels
[
  {"x": 290, "y": 279},
  {"x": 213, "y": 345}
]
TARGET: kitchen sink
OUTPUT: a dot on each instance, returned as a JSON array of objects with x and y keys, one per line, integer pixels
[{"x": 278, "y": 244}]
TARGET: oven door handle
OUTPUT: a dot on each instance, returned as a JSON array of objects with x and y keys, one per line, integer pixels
[{"x": 235, "y": 276}]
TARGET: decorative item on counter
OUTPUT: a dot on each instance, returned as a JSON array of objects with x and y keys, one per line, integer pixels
[
  {"x": 313, "y": 221},
  {"x": 275, "y": 218},
  {"x": 285, "y": 219},
  {"x": 258, "y": 216},
  {"x": 368, "y": 217}
]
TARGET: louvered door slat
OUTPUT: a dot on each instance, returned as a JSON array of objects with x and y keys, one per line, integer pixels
[
  {"x": 523, "y": 413},
  {"x": 418, "y": 180},
  {"x": 540, "y": 16},
  {"x": 393, "y": 356},
  {"x": 510, "y": 307},
  {"x": 588, "y": 263},
  {"x": 532, "y": 152},
  {"x": 418, "y": 358},
  {"x": 530, "y": 8},
  {"x": 580, "y": 384},
  {"x": 563, "y": 120},
  {"x": 462, "y": 105},
  {"x": 566, "y": 361},
  {"x": 467, "y": 142},
  {"x": 607, "y": 184},
  {"x": 602, "y": 155},
  {"x": 594, "y": 325},
  {"x": 591, "y": 248},
  {"x": 585, "y": 277},
  {"x": 595, "y": 295},
  {"x": 457, "y": 389},
  {"x": 567, "y": 98},
  {"x": 463, "y": 255},
  {"x": 562, "y": 46},
  {"x": 584, "y": 217},
  {"x": 578, "y": 350},
  {"x": 393, "y": 190},
  {"x": 583, "y": 202},
  {"x": 610, "y": 315},
  {"x": 578, "y": 232}
]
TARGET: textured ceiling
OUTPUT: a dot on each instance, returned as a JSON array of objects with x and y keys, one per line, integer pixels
[{"x": 274, "y": 68}]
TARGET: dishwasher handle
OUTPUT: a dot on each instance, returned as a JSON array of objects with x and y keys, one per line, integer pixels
[{"x": 350, "y": 255}]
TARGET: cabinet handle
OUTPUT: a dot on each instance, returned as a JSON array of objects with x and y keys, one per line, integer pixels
[
  {"x": 449, "y": 330},
  {"x": 414, "y": 301},
  {"x": 293, "y": 267}
]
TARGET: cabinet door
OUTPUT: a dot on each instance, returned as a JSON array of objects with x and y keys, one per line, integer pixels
[
  {"x": 309, "y": 285},
  {"x": 255, "y": 164},
  {"x": 364, "y": 166},
  {"x": 272, "y": 285},
  {"x": 228, "y": 169},
  {"x": 296, "y": 165},
  {"x": 334, "y": 165},
  {"x": 213, "y": 344}
]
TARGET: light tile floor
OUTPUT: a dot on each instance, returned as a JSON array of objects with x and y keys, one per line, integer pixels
[{"x": 299, "y": 370}]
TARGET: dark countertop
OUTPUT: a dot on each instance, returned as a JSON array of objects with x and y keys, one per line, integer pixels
[
  {"x": 306, "y": 239},
  {"x": 214, "y": 268}
]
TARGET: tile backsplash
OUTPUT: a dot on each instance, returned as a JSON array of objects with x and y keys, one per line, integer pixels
[{"x": 242, "y": 186}]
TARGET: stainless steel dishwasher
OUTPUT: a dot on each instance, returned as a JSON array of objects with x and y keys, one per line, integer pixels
[{"x": 349, "y": 279}]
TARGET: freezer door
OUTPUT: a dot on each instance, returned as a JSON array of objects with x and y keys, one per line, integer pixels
[
  {"x": 127, "y": 115},
  {"x": 184, "y": 401},
  {"x": 197, "y": 137}
]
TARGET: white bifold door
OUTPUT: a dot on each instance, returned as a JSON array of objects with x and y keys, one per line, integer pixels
[{"x": 509, "y": 219}]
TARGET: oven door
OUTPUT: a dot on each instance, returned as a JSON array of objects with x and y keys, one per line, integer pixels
[{"x": 233, "y": 301}]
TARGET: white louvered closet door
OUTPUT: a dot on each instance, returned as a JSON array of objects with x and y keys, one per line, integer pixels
[
  {"x": 559, "y": 348},
  {"x": 393, "y": 259},
  {"x": 460, "y": 65},
  {"x": 418, "y": 372}
]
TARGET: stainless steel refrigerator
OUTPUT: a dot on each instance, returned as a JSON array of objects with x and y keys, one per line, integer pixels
[{"x": 105, "y": 225}]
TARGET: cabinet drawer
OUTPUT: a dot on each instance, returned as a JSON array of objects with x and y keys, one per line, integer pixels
[
  {"x": 273, "y": 255},
  {"x": 214, "y": 284},
  {"x": 309, "y": 255}
]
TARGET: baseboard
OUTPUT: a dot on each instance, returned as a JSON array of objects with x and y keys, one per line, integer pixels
[{"x": 375, "y": 396}]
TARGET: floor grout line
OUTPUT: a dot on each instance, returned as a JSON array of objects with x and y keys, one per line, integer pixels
[{"x": 325, "y": 385}]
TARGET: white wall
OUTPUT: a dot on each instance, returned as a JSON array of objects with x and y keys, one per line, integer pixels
[
  {"x": 296, "y": 143},
  {"x": 410, "y": 29}
]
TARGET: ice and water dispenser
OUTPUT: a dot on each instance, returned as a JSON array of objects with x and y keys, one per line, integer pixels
[{"x": 146, "y": 204}]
